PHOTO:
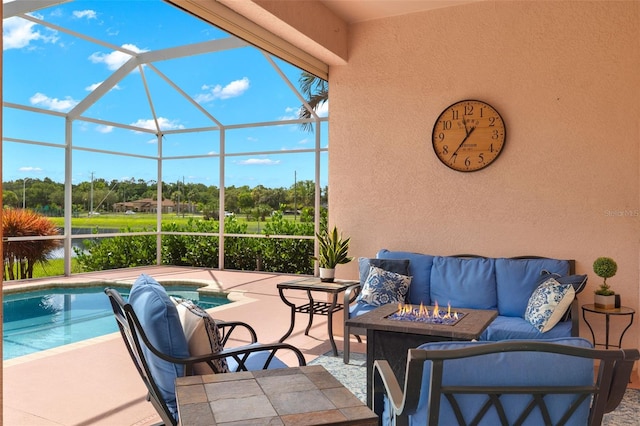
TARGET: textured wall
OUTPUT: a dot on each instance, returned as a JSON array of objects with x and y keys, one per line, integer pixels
[{"x": 565, "y": 77}]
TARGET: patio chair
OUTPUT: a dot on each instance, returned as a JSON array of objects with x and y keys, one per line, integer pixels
[
  {"x": 155, "y": 339},
  {"x": 504, "y": 383}
]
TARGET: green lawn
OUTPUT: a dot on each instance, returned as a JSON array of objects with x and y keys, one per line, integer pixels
[
  {"x": 54, "y": 267},
  {"x": 146, "y": 221},
  {"x": 120, "y": 221}
]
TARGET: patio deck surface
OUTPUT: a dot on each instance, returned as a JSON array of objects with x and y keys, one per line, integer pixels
[{"x": 95, "y": 383}]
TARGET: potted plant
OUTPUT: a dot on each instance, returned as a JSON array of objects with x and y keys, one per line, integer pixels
[
  {"x": 332, "y": 251},
  {"x": 605, "y": 297}
]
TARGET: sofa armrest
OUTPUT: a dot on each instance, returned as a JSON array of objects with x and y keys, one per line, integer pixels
[
  {"x": 575, "y": 318},
  {"x": 350, "y": 295}
]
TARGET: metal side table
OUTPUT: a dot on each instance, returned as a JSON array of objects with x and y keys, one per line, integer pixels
[
  {"x": 621, "y": 311},
  {"x": 315, "y": 307}
]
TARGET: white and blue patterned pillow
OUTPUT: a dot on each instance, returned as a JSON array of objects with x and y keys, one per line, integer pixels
[
  {"x": 548, "y": 304},
  {"x": 382, "y": 287}
]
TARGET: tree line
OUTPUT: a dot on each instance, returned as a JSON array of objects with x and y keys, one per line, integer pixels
[{"x": 47, "y": 196}]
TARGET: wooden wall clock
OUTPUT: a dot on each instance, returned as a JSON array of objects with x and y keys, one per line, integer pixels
[{"x": 468, "y": 135}]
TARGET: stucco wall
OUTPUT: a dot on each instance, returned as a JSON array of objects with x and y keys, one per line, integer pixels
[{"x": 565, "y": 77}]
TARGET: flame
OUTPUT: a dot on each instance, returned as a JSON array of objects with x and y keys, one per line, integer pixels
[{"x": 423, "y": 311}]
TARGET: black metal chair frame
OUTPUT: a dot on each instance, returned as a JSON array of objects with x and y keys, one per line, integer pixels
[
  {"x": 134, "y": 338},
  {"x": 607, "y": 391}
]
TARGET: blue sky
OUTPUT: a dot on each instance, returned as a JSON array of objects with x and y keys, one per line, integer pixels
[{"x": 53, "y": 70}]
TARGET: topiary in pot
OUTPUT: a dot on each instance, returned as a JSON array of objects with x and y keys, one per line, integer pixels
[{"x": 605, "y": 267}]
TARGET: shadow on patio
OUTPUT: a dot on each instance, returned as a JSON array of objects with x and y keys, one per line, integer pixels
[{"x": 94, "y": 382}]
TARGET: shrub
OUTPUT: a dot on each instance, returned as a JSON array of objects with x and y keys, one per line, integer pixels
[{"x": 21, "y": 256}]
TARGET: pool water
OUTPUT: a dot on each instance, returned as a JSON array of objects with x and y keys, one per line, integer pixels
[{"x": 40, "y": 320}]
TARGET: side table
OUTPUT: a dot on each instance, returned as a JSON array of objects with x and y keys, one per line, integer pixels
[
  {"x": 314, "y": 307},
  {"x": 621, "y": 311}
]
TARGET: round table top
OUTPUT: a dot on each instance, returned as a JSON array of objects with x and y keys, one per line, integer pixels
[{"x": 622, "y": 310}]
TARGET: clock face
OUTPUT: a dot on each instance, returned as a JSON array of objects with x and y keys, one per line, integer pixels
[{"x": 468, "y": 135}]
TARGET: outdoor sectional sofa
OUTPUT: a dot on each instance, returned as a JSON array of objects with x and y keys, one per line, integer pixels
[{"x": 475, "y": 282}]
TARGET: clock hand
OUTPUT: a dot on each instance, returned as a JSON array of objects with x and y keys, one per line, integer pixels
[{"x": 463, "y": 141}]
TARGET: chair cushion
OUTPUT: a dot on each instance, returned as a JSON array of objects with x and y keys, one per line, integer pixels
[
  {"x": 159, "y": 319},
  {"x": 256, "y": 360},
  {"x": 382, "y": 287},
  {"x": 548, "y": 304},
  {"x": 516, "y": 279},
  {"x": 464, "y": 282},
  {"x": 360, "y": 308},
  {"x": 202, "y": 334},
  {"x": 510, "y": 369},
  {"x": 507, "y": 328},
  {"x": 419, "y": 270}
]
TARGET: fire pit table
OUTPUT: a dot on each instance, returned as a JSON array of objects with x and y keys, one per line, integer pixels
[{"x": 390, "y": 338}]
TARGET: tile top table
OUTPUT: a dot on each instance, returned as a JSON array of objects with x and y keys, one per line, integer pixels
[{"x": 297, "y": 396}]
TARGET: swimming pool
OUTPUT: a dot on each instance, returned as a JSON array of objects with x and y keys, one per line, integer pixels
[{"x": 44, "y": 319}]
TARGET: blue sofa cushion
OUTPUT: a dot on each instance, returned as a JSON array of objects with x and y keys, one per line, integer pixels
[
  {"x": 161, "y": 323},
  {"x": 517, "y": 279},
  {"x": 464, "y": 282},
  {"x": 507, "y": 328},
  {"x": 420, "y": 271},
  {"x": 510, "y": 369}
]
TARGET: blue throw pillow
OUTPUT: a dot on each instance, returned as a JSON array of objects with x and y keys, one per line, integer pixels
[
  {"x": 161, "y": 323},
  {"x": 382, "y": 287}
]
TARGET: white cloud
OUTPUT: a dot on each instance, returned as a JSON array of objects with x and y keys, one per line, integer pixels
[
  {"x": 258, "y": 162},
  {"x": 115, "y": 59},
  {"x": 323, "y": 109},
  {"x": 232, "y": 90},
  {"x": 30, "y": 169},
  {"x": 18, "y": 33},
  {"x": 53, "y": 104},
  {"x": 104, "y": 129},
  {"x": 89, "y": 14},
  {"x": 93, "y": 87},
  {"x": 290, "y": 114},
  {"x": 164, "y": 123}
]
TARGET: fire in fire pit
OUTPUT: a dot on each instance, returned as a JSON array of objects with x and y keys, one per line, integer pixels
[{"x": 423, "y": 314}]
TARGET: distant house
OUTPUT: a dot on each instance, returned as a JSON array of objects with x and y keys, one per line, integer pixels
[{"x": 149, "y": 205}]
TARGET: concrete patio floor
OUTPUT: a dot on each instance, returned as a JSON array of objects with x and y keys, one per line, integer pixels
[{"x": 95, "y": 383}]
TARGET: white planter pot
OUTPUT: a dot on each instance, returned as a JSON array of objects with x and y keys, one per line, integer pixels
[
  {"x": 604, "y": 302},
  {"x": 327, "y": 274}
]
